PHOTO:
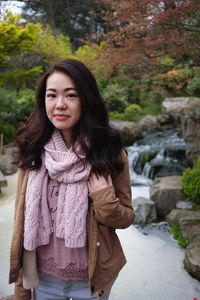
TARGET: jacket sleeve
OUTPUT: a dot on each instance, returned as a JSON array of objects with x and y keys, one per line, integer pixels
[
  {"x": 15, "y": 252},
  {"x": 112, "y": 205}
]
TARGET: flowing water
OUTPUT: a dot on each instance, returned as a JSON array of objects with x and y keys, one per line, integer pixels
[{"x": 159, "y": 154}]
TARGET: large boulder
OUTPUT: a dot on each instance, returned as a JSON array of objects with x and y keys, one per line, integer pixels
[
  {"x": 186, "y": 110},
  {"x": 190, "y": 225},
  {"x": 145, "y": 211},
  {"x": 129, "y": 131},
  {"x": 192, "y": 258},
  {"x": 149, "y": 124},
  {"x": 166, "y": 192},
  {"x": 191, "y": 130},
  {"x": 174, "y": 106},
  {"x": 8, "y": 159},
  {"x": 6, "y": 164},
  {"x": 189, "y": 222}
]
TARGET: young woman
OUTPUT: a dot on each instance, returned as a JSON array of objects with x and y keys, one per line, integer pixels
[{"x": 73, "y": 192}]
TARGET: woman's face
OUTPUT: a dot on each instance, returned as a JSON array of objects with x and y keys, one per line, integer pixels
[{"x": 62, "y": 102}]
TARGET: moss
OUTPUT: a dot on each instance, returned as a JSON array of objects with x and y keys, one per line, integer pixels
[{"x": 177, "y": 234}]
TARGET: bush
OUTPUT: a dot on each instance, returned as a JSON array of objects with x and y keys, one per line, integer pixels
[
  {"x": 193, "y": 85},
  {"x": 8, "y": 131},
  {"x": 115, "y": 97},
  {"x": 177, "y": 234},
  {"x": 16, "y": 106},
  {"x": 191, "y": 182},
  {"x": 132, "y": 111}
]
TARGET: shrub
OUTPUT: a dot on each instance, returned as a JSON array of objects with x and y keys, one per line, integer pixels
[
  {"x": 16, "y": 106},
  {"x": 115, "y": 97},
  {"x": 132, "y": 111},
  {"x": 177, "y": 234},
  {"x": 8, "y": 131},
  {"x": 193, "y": 85},
  {"x": 191, "y": 182}
]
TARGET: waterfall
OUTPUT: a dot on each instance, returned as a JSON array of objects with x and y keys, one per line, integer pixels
[{"x": 158, "y": 154}]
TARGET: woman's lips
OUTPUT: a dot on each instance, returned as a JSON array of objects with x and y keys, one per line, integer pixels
[{"x": 61, "y": 117}]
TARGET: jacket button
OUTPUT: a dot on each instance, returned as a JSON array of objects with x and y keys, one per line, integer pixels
[{"x": 98, "y": 244}]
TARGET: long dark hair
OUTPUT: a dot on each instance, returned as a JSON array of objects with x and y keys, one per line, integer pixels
[{"x": 101, "y": 144}]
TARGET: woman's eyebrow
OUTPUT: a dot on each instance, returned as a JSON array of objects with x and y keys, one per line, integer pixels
[{"x": 67, "y": 89}]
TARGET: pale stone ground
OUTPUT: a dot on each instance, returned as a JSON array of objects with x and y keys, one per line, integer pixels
[{"x": 154, "y": 270}]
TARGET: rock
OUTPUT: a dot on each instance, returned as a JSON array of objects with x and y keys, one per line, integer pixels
[
  {"x": 191, "y": 130},
  {"x": 190, "y": 226},
  {"x": 176, "y": 214},
  {"x": 184, "y": 204},
  {"x": 12, "y": 151},
  {"x": 192, "y": 258},
  {"x": 145, "y": 211},
  {"x": 166, "y": 192},
  {"x": 3, "y": 181},
  {"x": 149, "y": 124},
  {"x": 189, "y": 222},
  {"x": 129, "y": 131},
  {"x": 164, "y": 119},
  {"x": 6, "y": 164},
  {"x": 175, "y": 106},
  {"x": 186, "y": 110}
]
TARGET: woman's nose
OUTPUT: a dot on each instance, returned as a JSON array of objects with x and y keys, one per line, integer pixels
[{"x": 61, "y": 104}]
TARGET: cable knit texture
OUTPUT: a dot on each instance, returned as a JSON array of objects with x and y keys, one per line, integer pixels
[{"x": 63, "y": 165}]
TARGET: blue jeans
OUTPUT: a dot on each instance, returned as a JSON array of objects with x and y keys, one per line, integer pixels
[{"x": 51, "y": 289}]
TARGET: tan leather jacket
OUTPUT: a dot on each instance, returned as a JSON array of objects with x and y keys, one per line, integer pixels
[{"x": 109, "y": 208}]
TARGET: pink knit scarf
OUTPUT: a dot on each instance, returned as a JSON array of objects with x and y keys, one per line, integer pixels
[{"x": 62, "y": 164}]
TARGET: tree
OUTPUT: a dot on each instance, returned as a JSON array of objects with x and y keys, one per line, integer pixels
[
  {"x": 80, "y": 20},
  {"x": 17, "y": 46},
  {"x": 142, "y": 31}
]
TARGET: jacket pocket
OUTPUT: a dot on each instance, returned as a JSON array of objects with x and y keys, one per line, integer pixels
[{"x": 105, "y": 242}]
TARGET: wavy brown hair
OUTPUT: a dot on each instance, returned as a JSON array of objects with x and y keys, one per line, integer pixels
[{"x": 101, "y": 144}]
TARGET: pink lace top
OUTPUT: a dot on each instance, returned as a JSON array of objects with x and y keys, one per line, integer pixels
[{"x": 55, "y": 259}]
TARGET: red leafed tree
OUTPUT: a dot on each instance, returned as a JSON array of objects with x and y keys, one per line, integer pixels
[{"x": 140, "y": 31}]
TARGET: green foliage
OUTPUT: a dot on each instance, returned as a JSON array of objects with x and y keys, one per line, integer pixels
[
  {"x": 54, "y": 47},
  {"x": 132, "y": 111},
  {"x": 80, "y": 20},
  {"x": 191, "y": 182},
  {"x": 16, "y": 106},
  {"x": 193, "y": 85},
  {"x": 115, "y": 97},
  {"x": 18, "y": 77},
  {"x": 152, "y": 105},
  {"x": 165, "y": 63},
  {"x": 177, "y": 234},
  {"x": 18, "y": 43},
  {"x": 8, "y": 131},
  {"x": 15, "y": 37}
]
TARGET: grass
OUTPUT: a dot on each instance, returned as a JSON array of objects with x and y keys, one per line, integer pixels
[{"x": 177, "y": 234}]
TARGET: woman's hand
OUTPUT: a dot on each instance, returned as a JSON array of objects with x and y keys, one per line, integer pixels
[{"x": 99, "y": 182}]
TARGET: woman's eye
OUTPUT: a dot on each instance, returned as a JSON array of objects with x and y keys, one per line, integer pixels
[
  {"x": 71, "y": 96},
  {"x": 50, "y": 96}
]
